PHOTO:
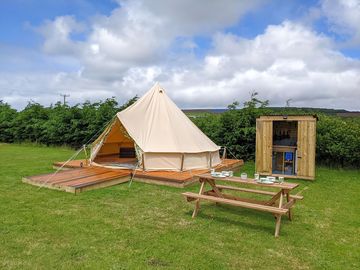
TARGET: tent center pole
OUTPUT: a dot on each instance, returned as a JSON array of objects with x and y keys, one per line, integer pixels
[
  {"x": 182, "y": 162},
  {"x": 143, "y": 161},
  {"x": 210, "y": 160}
]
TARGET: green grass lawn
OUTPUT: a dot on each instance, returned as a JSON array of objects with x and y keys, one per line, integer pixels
[{"x": 150, "y": 227}]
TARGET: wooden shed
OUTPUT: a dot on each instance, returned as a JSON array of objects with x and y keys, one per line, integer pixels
[{"x": 285, "y": 146}]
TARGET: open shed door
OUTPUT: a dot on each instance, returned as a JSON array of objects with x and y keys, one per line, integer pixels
[
  {"x": 263, "y": 155},
  {"x": 306, "y": 145}
]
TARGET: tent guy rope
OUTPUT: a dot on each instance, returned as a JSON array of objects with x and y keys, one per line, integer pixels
[
  {"x": 76, "y": 154},
  {"x": 60, "y": 168}
]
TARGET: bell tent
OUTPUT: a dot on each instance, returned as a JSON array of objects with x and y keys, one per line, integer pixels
[{"x": 156, "y": 135}]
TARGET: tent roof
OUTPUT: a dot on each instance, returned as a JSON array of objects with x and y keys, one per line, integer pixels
[{"x": 157, "y": 125}]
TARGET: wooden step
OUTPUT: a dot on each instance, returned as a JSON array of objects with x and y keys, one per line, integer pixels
[
  {"x": 95, "y": 178},
  {"x": 68, "y": 174}
]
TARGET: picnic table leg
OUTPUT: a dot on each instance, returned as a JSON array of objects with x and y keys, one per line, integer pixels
[
  {"x": 290, "y": 212},
  {"x": 277, "y": 225},
  {"x": 197, "y": 203},
  {"x": 218, "y": 191},
  {"x": 274, "y": 199},
  {"x": 278, "y": 217},
  {"x": 281, "y": 199}
]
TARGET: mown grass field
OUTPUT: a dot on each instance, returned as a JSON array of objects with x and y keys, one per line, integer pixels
[{"x": 150, "y": 227}]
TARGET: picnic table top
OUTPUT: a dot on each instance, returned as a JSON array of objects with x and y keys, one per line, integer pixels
[{"x": 250, "y": 181}]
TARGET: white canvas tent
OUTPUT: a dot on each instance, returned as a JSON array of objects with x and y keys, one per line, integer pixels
[{"x": 162, "y": 135}]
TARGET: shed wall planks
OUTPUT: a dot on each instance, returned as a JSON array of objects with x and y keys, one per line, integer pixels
[
  {"x": 306, "y": 149},
  {"x": 263, "y": 146}
]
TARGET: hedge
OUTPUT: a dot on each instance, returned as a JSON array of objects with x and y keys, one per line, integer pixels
[{"x": 338, "y": 139}]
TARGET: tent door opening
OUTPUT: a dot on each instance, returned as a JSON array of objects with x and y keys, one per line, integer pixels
[{"x": 117, "y": 148}]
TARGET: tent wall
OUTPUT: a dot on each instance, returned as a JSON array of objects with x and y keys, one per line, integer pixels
[
  {"x": 162, "y": 161},
  {"x": 180, "y": 161},
  {"x": 215, "y": 158},
  {"x": 115, "y": 136}
]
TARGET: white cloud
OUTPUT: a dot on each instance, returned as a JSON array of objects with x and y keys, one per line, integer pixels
[
  {"x": 188, "y": 17},
  {"x": 139, "y": 33},
  {"x": 287, "y": 61},
  {"x": 124, "y": 53},
  {"x": 57, "y": 35},
  {"x": 344, "y": 18}
]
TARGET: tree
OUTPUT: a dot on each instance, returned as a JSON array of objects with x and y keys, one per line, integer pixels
[
  {"x": 234, "y": 105},
  {"x": 7, "y": 116},
  {"x": 129, "y": 103},
  {"x": 254, "y": 102},
  {"x": 28, "y": 125}
]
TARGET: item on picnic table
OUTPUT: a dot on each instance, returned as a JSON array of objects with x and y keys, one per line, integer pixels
[
  {"x": 256, "y": 176},
  {"x": 265, "y": 180},
  {"x": 218, "y": 174},
  {"x": 243, "y": 176},
  {"x": 281, "y": 179}
]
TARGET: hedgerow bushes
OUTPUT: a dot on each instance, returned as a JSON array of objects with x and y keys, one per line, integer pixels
[
  {"x": 338, "y": 139},
  {"x": 58, "y": 124}
]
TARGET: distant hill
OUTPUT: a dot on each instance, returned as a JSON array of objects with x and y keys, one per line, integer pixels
[
  {"x": 338, "y": 112},
  {"x": 311, "y": 110},
  {"x": 196, "y": 111},
  {"x": 348, "y": 114}
]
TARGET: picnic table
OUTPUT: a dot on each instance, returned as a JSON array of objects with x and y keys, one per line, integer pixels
[{"x": 279, "y": 202}]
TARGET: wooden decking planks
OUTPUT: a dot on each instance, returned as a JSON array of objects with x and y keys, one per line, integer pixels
[
  {"x": 185, "y": 178},
  {"x": 79, "y": 177},
  {"x": 77, "y": 180},
  {"x": 67, "y": 175}
]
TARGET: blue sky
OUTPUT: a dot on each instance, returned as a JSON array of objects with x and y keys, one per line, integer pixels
[
  {"x": 217, "y": 49},
  {"x": 18, "y": 15}
]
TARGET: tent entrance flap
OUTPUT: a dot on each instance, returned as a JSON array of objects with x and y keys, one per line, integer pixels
[{"x": 115, "y": 148}]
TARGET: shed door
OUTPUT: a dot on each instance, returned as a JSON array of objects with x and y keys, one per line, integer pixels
[
  {"x": 306, "y": 149},
  {"x": 263, "y": 153}
]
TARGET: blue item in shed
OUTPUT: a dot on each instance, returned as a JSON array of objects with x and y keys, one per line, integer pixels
[{"x": 288, "y": 156}]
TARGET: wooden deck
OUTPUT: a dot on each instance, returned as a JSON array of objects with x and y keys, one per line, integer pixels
[
  {"x": 182, "y": 179},
  {"x": 80, "y": 179},
  {"x": 77, "y": 176}
]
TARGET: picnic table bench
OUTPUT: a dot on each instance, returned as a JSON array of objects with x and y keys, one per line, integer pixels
[{"x": 279, "y": 204}]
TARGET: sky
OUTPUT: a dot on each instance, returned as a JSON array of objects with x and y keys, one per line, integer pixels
[{"x": 205, "y": 53}]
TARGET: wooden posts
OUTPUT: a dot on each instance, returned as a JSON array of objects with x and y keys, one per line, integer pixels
[
  {"x": 289, "y": 204},
  {"x": 197, "y": 204},
  {"x": 143, "y": 161},
  {"x": 182, "y": 162},
  {"x": 86, "y": 156},
  {"x": 210, "y": 160},
  {"x": 224, "y": 153},
  {"x": 277, "y": 225}
]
